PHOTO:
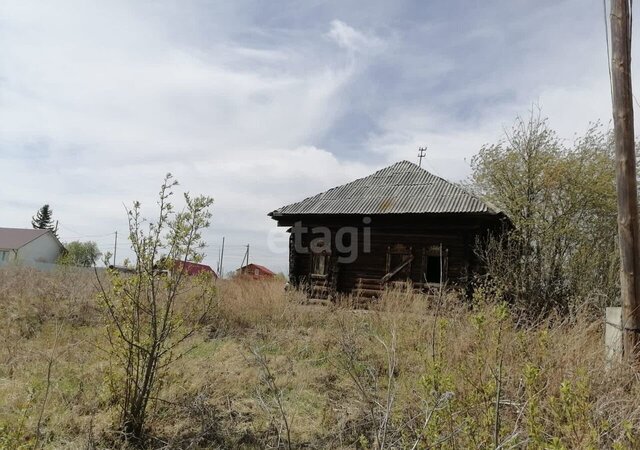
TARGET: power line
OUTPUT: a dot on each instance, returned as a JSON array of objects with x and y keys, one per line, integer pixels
[
  {"x": 606, "y": 35},
  {"x": 85, "y": 235}
]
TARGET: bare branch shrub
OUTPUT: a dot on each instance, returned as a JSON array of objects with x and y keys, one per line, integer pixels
[{"x": 153, "y": 310}]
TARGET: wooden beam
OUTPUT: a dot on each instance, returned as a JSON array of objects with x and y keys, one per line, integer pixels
[
  {"x": 628, "y": 229},
  {"x": 390, "y": 275}
]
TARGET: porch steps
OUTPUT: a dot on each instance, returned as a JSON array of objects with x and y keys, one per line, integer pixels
[
  {"x": 371, "y": 288},
  {"x": 319, "y": 289},
  {"x": 368, "y": 288}
]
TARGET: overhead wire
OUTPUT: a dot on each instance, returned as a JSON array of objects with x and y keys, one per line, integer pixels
[
  {"x": 86, "y": 235},
  {"x": 606, "y": 35}
]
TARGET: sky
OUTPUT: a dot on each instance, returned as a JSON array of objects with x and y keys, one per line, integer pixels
[{"x": 263, "y": 103}]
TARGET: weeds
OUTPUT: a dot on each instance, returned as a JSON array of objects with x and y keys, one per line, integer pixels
[
  {"x": 272, "y": 400},
  {"x": 411, "y": 372}
]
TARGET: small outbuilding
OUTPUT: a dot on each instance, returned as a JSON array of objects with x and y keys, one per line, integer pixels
[
  {"x": 166, "y": 265},
  {"x": 192, "y": 268},
  {"x": 29, "y": 246},
  {"x": 401, "y": 224},
  {"x": 255, "y": 271}
]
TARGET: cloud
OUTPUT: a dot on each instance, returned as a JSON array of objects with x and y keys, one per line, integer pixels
[
  {"x": 92, "y": 116},
  {"x": 261, "y": 104},
  {"x": 351, "y": 39}
]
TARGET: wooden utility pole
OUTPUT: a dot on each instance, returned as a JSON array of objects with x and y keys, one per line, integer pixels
[
  {"x": 245, "y": 258},
  {"x": 115, "y": 249},
  {"x": 221, "y": 268},
  {"x": 628, "y": 230}
]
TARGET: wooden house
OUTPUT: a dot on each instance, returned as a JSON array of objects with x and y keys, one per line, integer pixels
[
  {"x": 401, "y": 224},
  {"x": 255, "y": 271},
  {"x": 191, "y": 268}
]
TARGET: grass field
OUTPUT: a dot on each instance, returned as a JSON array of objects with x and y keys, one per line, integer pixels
[{"x": 268, "y": 371}]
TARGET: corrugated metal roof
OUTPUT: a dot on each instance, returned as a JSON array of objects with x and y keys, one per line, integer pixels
[{"x": 402, "y": 188}]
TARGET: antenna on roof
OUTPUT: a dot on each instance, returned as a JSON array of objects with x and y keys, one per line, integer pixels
[{"x": 422, "y": 152}]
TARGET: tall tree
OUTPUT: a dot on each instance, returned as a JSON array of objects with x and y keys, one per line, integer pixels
[
  {"x": 43, "y": 220},
  {"x": 561, "y": 201}
]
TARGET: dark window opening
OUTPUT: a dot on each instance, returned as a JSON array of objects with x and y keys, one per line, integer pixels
[{"x": 434, "y": 269}]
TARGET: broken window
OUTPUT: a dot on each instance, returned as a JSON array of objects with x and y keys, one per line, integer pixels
[
  {"x": 319, "y": 264},
  {"x": 398, "y": 262},
  {"x": 435, "y": 264},
  {"x": 434, "y": 268},
  {"x": 319, "y": 261}
]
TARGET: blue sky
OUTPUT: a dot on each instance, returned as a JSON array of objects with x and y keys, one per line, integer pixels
[{"x": 262, "y": 103}]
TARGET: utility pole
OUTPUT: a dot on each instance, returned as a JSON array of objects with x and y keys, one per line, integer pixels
[
  {"x": 220, "y": 270},
  {"x": 628, "y": 230},
  {"x": 244, "y": 258},
  {"x": 422, "y": 152},
  {"x": 115, "y": 249}
]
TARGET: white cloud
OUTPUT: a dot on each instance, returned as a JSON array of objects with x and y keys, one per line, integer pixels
[
  {"x": 453, "y": 141},
  {"x": 351, "y": 39},
  {"x": 98, "y": 100},
  {"x": 110, "y": 105}
]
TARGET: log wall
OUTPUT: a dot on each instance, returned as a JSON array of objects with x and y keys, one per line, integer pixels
[{"x": 457, "y": 235}]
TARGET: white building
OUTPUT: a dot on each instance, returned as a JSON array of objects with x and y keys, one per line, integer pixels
[{"x": 29, "y": 247}]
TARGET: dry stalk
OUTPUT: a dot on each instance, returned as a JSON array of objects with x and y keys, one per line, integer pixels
[{"x": 269, "y": 380}]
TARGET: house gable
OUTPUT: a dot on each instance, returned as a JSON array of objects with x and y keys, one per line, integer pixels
[{"x": 29, "y": 245}]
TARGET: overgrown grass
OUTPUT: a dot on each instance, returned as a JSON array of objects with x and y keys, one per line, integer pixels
[{"x": 410, "y": 372}]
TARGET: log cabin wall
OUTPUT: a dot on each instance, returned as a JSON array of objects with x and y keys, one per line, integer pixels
[{"x": 422, "y": 235}]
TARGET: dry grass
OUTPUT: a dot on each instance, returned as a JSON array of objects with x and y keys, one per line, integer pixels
[{"x": 411, "y": 372}]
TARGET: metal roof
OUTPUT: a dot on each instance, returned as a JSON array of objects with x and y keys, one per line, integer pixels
[
  {"x": 402, "y": 188},
  {"x": 257, "y": 266},
  {"x": 15, "y": 238}
]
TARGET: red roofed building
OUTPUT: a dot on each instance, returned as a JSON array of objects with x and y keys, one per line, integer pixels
[
  {"x": 192, "y": 268},
  {"x": 256, "y": 271}
]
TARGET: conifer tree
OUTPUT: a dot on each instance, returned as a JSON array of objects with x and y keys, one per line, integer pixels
[{"x": 43, "y": 220}]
